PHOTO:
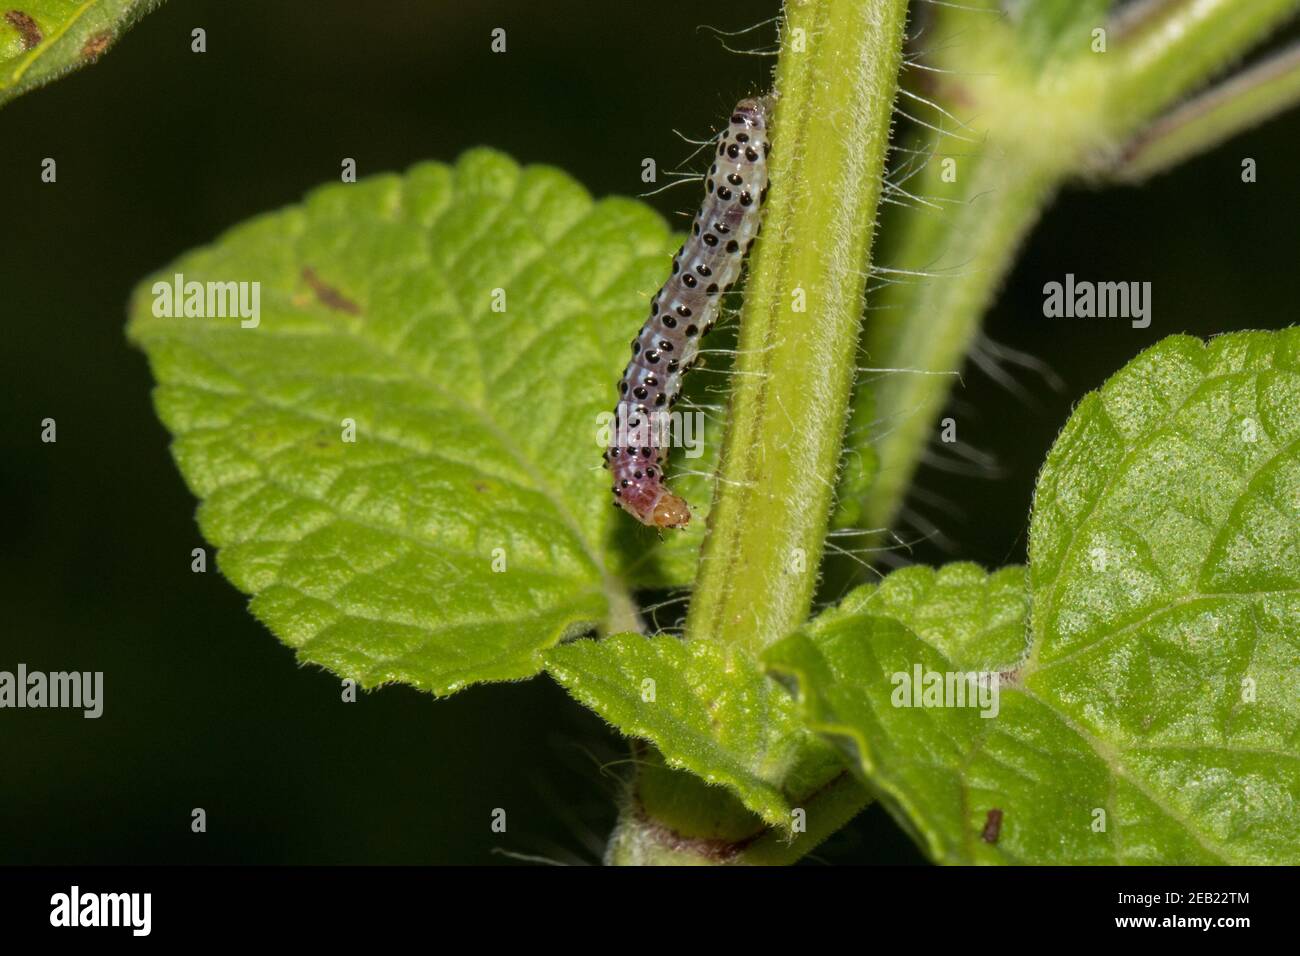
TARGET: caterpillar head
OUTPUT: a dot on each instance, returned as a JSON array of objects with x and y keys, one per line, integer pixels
[{"x": 670, "y": 511}]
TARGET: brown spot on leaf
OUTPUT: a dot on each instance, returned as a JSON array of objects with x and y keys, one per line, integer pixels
[
  {"x": 27, "y": 29},
  {"x": 481, "y": 487},
  {"x": 992, "y": 826},
  {"x": 327, "y": 295},
  {"x": 95, "y": 46}
]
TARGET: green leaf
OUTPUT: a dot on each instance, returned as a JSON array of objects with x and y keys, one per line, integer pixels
[
  {"x": 1165, "y": 568},
  {"x": 40, "y": 40},
  {"x": 1161, "y": 691},
  {"x": 958, "y": 609},
  {"x": 469, "y": 526},
  {"x": 709, "y": 709},
  {"x": 929, "y": 765}
]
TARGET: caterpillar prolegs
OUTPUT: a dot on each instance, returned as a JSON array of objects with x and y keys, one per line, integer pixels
[{"x": 683, "y": 310}]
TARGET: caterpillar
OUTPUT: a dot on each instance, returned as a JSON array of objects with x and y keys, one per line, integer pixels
[{"x": 683, "y": 310}]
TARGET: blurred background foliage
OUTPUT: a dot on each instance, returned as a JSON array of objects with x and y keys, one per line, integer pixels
[{"x": 159, "y": 149}]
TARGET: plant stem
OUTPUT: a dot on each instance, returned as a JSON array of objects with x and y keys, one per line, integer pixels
[
  {"x": 927, "y": 328},
  {"x": 1178, "y": 46},
  {"x": 1251, "y": 97},
  {"x": 623, "y": 616},
  {"x": 796, "y": 360},
  {"x": 1035, "y": 133},
  {"x": 675, "y": 818}
]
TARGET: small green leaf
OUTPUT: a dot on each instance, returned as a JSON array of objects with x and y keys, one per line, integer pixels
[
  {"x": 1156, "y": 716},
  {"x": 472, "y": 322},
  {"x": 960, "y": 610},
  {"x": 40, "y": 40},
  {"x": 709, "y": 709},
  {"x": 930, "y": 764}
]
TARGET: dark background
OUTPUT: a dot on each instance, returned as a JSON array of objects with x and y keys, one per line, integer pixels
[{"x": 160, "y": 149}]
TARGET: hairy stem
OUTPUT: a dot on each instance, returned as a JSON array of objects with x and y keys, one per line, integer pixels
[
  {"x": 675, "y": 818},
  {"x": 925, "y": 325},
  {"x": 1032, "y": 134},
  {"x": 1181, "y": 45},
  {"x": 836, "y": 82},
  {"x": 1248, "y": 99}
]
